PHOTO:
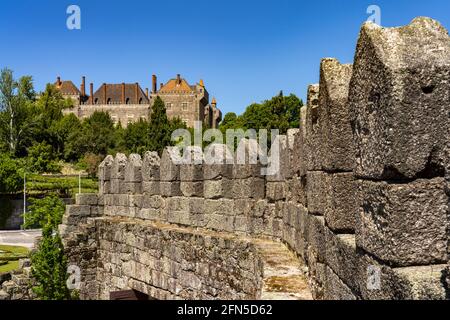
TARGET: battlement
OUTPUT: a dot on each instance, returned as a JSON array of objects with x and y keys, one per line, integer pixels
[{"x": 361, "y": 197}]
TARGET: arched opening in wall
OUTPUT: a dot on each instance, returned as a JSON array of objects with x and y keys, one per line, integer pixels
[
  {"x": 127, "y": 101},
  {"x": 129, "y": 295},
  {"x": 140, "y": 101},
  {"x": 108, "y": 101},
  {"x": 96, "y": 101}
]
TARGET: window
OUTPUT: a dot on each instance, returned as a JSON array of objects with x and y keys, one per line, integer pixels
[
  {"x": 96, "y": 101},
  {"x": 185, "y": 121},
  {"x": 184, "y": 106},
  {"x": 109, "y": 101},
  {"x": 127, "y": 101},
  {"x": 169, "y": 106}
]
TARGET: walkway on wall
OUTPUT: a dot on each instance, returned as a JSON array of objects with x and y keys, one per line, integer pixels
[{"x": 284, "y": 278}]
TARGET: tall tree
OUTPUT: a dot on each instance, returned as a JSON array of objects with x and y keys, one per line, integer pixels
[
  {"x": 15, "y": 101},
  {"x": 159, "y": 127}
]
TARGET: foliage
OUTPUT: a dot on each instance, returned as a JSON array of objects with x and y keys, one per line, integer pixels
[
  {"x": 49, "y": 267},
  {"x": 41, "y": 159},
  {"x": 159, "y": 127},
  {"x": 16, "y": 121},
  {"x": 65, "y": 186},
  {"x": 90, "y": 163},
  {"x": 136, "y": 137},
  {"x": 280, "y": 112},
  {"x": 46, "y": 210},
  {"x": 95, "y": 136},
  {"x": 11, "y": 178}
]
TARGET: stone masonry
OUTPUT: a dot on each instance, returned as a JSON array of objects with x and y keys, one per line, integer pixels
[{"x": 360, "y": 205}]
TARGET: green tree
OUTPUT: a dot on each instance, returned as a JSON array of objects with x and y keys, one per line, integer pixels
[
  {"x": 136, "y": 138},
  {"x": 42, "y": 211},
  {"x": 16, "y": 98},
  {"x": 11, "y": 174},
  {"x": 49, "y": 266},
  {"x": 159, "y": 129},
  {"x": 96, "y": 136},
  {"x": 41, "y": 159}
]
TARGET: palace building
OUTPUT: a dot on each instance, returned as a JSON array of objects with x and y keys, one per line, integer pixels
[{"x": 128, "y": 102}]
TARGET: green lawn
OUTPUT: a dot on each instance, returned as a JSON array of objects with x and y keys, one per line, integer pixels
[{"x": 9, "y": 257}]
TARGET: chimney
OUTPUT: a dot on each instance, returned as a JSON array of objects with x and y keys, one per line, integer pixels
[
  {"x": 161, "y": 85},
  {"x": 178, "y": 78},
  {"x": 146, "y": 93},
  {"x": 154, "y": 83},
  {"x": 137, "y": 92},
  {"x": 104, "y": 93},
  {"x": 83, "y": 86},
  {"x": 91, "y": 89},
  {"x": 58, "y": 81},
  {"x": 123, "y": 93}
]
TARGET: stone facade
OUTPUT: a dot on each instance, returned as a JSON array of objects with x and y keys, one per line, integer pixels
[{"x": 128, "y": 103}]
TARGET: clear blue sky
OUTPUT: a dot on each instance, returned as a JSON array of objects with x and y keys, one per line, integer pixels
[{"x": 246, "y": 51}]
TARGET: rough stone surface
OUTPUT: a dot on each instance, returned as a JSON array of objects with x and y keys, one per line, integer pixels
[
  {"x": 334, "y": 115},
  {"x": 399, "y": 100},
  {"x": 404, "y": 224},
  {"x": 341, "y": 204}
]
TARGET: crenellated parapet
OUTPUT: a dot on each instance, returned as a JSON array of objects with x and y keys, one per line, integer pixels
[{"x": 361, "y": 193}]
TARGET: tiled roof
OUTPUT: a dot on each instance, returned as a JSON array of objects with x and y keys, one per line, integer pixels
[
  {"x": 114, "y": 94},
  {"x": 67, "y": 88},
  {"x": 175, "y": 85}
]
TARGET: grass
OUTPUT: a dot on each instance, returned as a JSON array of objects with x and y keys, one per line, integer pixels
[{"x": 11, "y": 255}]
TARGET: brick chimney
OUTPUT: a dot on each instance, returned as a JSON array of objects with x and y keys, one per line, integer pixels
[
  {"x": 178, "y": 78},
  {"x": 161, "y": 85},
  {"x": 91, "y": 90},
  {"x": 123, "y": 93},
  {"x": 58, "y": 81},
  {"x": 154, "y": 83},
  {"x": 83, "y": 86},
  {"x": 146, "y": 93},
  {"x": 137, "y": 92},
  {"x": 104, "y": 93}
]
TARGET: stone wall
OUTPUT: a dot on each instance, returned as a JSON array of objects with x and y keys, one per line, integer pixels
[{"x": 360, "y": 196}]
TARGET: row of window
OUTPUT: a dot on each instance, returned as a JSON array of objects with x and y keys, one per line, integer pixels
[
  {"x": 109, "y": 101},
  {"x": 130, "y": 119}
]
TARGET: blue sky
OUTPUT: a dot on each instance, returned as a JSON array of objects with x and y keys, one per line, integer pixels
[{"x": 246, "y": 51}]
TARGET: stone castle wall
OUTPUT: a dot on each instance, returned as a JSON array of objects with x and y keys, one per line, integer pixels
[{"x": 362, "y": 195}]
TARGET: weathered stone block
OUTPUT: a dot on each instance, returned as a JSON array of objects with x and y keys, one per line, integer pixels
[
  {"x": 151, "y": 188},
  {"x": 296, "y": 190},
  {"x": 316, "y": 236},
  {"x": 249, "y": 188},
  {"x": 403, "y": 224},
  {"x": 170, "y": 164},
  {"x": 247, "y": 159},
  {"x": 191, "y": 188},
  {"x": 276, "y": 191},
  {"x": 133, "y": 187},
  {"x": 298, "y": 159},
  {"x": 313, "y": 142},
  {"x": 86, "y": 199},
  {"x": 151, "y": 166},
  {"x": 118, "y": 167},
  {"x": 337, "y": 135},
  {"x": 78, "y": 210},
  {"x": 379, "y": 282},
  {"x": 218, "y": 162},
  {"x": 216, "y": 189},
  {"x": 399, "y": 97},
  {"x": 316, "y": 192},
  {"x": 133, "y": 170},
  {"x": 105, "y": 168},
  {"x": 341, "y": 205},
  {"x": 279, "y": 160},
  {"x": 335, "y": 288},
  {"x": 170, "y": 188},
  {"x": 342, "y": 257}
]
